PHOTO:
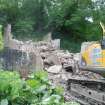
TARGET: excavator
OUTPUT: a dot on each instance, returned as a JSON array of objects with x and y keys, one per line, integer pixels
[
  {"x": 93, "y": 55},
  {"x": 90, "y": 91}
]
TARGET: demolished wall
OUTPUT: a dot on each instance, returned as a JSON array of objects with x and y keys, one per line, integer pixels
[{"x": 28, "y": 55}]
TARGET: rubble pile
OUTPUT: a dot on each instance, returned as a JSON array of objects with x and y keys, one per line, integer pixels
[
  {"x": 58, "y": 63},
  {"x": 28, "y": 55},
  {"x": 58, "y": 57}
]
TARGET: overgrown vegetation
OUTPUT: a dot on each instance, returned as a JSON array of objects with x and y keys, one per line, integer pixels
[
  {"x": 76, "y": 20},
  {"x": 36, "y": 90}
]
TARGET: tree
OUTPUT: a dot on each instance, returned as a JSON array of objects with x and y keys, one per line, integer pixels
[
  {"x": 9, "y": 10},
  {"x": 69, "y": 16},
  {"x": 76, "y": 20}
]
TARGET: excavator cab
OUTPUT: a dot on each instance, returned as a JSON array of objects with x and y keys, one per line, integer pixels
[{"x": 102, "y": 44}]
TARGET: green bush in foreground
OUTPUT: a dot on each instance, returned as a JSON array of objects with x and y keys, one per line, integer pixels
[{"x": 36, "y": 90}]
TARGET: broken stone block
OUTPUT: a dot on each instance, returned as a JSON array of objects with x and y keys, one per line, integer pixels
[
  {"x": 56, "y": 43},
  {"x": 54, "y": 59},
  {"x": 55, "y": 69},
  {"x": 39, "y": 63}
]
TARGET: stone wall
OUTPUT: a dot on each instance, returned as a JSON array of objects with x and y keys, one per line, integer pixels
[{"x": 26, "y": 56}]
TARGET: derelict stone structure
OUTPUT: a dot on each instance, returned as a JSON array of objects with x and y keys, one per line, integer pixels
[{"x": 24, "y": 56}]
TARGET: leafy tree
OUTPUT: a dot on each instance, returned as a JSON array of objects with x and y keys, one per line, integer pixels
[
  {"x": 9, "y": 10},
  {"x": 70, "y": 17},
  {"x": 76, "y": 20}
]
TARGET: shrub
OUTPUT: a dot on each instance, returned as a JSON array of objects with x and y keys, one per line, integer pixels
[{"x": 37, "y": 90}]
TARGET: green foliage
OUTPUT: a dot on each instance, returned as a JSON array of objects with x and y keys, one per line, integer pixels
[
  {"x": 71, "y": 45},
  {"x": 68, "y": 17},
  {"x": 23, "y": 27},
  {"x": 9, "y": 10},
  {"x": 10, "y": 86},
  {"x": 37, "y": 90}
]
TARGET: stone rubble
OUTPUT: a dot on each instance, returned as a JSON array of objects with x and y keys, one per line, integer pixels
[
  {"x": 39, "y": 55},
  {"x": 54, "y": 69}
]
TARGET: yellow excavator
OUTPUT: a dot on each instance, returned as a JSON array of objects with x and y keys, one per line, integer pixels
[
  {"x": 83, "y": 88},
  {"x": 93, "y": 55}
]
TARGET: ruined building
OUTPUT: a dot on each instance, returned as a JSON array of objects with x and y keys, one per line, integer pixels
[{"x": 25, "y": 56}]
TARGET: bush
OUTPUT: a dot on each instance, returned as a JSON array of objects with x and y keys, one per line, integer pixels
[{"x": 37, "y": 90}]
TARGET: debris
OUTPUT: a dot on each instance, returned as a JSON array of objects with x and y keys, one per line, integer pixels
[{"x": 55, "y": 69}]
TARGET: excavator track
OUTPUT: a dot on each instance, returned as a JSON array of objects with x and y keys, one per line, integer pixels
[{"x": 87, "y": 91}]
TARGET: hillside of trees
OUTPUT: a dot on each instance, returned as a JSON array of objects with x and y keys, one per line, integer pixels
[{"x": 73, "y": 21}]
